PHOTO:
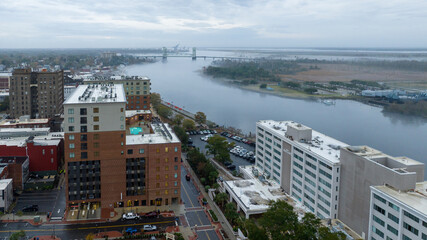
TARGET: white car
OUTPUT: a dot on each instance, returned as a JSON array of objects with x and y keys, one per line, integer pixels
[
  {"x": 149, "y": 228},
  {"x": 130, "y": 216}
]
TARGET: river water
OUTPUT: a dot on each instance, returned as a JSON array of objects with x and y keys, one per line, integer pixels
[{"x": 180, "y": 81}]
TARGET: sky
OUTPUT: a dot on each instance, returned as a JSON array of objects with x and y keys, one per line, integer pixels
[{"x": 213, "y": 23}]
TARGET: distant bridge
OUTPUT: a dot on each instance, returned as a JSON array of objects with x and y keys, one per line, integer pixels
[{"x": 193, "y": 56}]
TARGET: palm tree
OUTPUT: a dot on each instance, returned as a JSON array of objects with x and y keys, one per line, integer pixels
[{"x": 221, "y": 198}]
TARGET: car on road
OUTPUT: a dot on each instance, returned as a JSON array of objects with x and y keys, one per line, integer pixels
[
  {"x": 151, "y": 214},
  {"x": 31, "y": 208},
  {"x": 187, "y": 177},
  {"x": 131, "y": 230},
  {"x": 130, "y": 216},
  {"x": 149, "y": 228}
]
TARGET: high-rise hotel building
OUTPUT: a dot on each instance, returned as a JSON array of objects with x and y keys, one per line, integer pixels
[
  {"x": 109, "y": 169},
  {"x": 303, "y": 161}
]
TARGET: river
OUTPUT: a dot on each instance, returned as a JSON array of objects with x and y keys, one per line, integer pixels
[{"x": 180, "y": 81}]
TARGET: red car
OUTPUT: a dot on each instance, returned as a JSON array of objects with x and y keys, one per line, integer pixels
[{"x": 151, "y": 214}]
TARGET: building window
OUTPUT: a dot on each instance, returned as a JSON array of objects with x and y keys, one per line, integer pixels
[
  {"x": 141, "y": 150},
  {"x": 166, "y": 192},
  {"x": 176, "y": 149},
  {"x": 71, "y": 111},
  {"x": 95, "y": 127},
  {"x": 121, "y": 109},
  {"x": 96, "y": 119},
  {"x": 175, "y": 191},
  {"x": 166, "y": 184},
  {"x": 176, "y": 167},
  {"x": 166, "y": 159},
  {"x": 130, "y": 151},
  {"x": 96, "y": 154},
  {"x": 71, "y": 128},
  {"x": 83, "y": 137},
  {"x": 166, "y": 176},
  {"x": 84, "y": 155},
  {"x": 71, "y": 146},
  {"x": 166, "y": 149},
  {"x": 83, "y": 146},
  {"x": 43, "y": 151},
  {"x": 83, "y": 120},
  {"x": 393, "y": 206},
  {"x": 72, "y": 155},
  {"x": 70, "y": 120},
  {"x": 410, "y": 228},
  {"x": 122, "y": 118},
  {"x": 83, "y": 128},
  {"x": 96, "y": 145},
  {"x": 379, "y": 209},
  {"x": 83, "y": 111},
  {"x": 95, "y": 110},
  {"x": 70, "y": 137},
  {"x": 96, "y": 136},
  {"x": 157, "y": 150},
  {"x": 176, "y": 159},
  {"x": 176, "y": 175},
  {"x": 167, "y": 168},
  {"x": 158, "y": 177}
]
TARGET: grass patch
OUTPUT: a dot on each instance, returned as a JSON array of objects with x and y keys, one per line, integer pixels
[{"x": 213, "y": 215}]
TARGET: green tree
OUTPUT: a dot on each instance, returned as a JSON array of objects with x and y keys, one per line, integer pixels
[
  {"x": 200, "y": 118},
  {"x": 230, "y": 212},
  {"x": 280, "y": 221},
  {"x": 254, "y": 232},
  {"x": 181, "y": 134},
  {"x": 155, "y": 99},
  {"x": 177, "y": 120},
  {"x": 263, "y": 85},
  {"x": 218, "y": 146},
  {"x": 18, "y": 235},
  {"x": 164, "y": 111},
  {"x": 221, "y": 198},
  {"x": 188, "y": 124}
]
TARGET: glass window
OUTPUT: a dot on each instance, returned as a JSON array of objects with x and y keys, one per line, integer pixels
[
  {"x": 71, "y": 111},
  {"x": 71, "y": 155},
  {"x": 166, "y": 149},
  {"x": 393, "y": 206},
  {"x": 141, "y": 150},
  {"x": 71, "y": 146},
  {"x": 95, "y": 110},
  {"x": 70, "y": 120},
  {"x": 96, "y": 119},
  {"x": 83, "y": 111},
  {"x": 176, "y": 149},
  {"x": 71, "y": 137},
  {"x": 83, "y": 128},
  {"x": 71, "y": 128},
  {"x": 176, "y": 175},
  {"x": 175, "y": 183},
  {"x": 96, "y": 136},
  {"x": 130, "y": 151},
  {"x": 95, "y": 127}
]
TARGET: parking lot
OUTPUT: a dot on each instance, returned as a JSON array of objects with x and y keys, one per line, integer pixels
[{"x": 237, "y": 161}]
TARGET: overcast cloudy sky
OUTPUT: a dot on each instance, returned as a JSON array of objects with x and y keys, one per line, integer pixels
[{"x": 213, "y": 23}]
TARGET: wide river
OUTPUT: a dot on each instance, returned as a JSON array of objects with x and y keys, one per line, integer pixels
[{"x": 179, "y": 80}]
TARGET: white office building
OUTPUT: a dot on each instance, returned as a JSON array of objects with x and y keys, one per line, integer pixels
[
  {"x": 304, "y": 162},
  {"x": 398, "y": 214},
  {"x": 6, "y": 193}
]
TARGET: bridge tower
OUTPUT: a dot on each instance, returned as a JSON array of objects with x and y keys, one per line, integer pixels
[
  {"x": 165, "y": 53},
  {"x": 193, "y": 56}
]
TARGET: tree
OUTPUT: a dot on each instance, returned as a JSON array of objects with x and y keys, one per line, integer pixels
[
  {"x": 263, "y": 85},
  {"x": 188, "y": 124},
  {"x": 155, "y": 99},
  {"x": 280, "y": 221},
  {"x": 200, "y": 118},
  {"x": 231, "y": 212},
  {"x": 164, "y": 111},
  {"x": 255, "y": 232},
  {"x": 177, "y": 120},
  {"x": 221, "y": 198},
  {"x": 18, "y": 235},
  {"x": 218, "y": 146},
  {"x": 181, "y": 134}
]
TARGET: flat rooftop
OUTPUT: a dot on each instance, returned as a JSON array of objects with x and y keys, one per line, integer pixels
[
  {"x": 13, "y": 122},
  {"x": 162, "y": 134},
  {"x": 52, "y": 139},
  {"x": 131, "y": 113},
  {"x": 254, "y": 194},
  {"x": 97, "y": 93},
  {"x": 320, "y": 144},
  {"x": 17, "y": 159},
  {"x": 117, "y": 78},
  {"x": 416, "y": 199}
]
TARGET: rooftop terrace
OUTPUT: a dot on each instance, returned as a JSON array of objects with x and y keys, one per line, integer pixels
[{"x": 162, "y": 134}]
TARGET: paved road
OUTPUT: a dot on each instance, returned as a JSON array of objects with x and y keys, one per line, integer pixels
[
  {"x": 238, "y": 161},
  {"x": 194, "y": 213},
  {"x": 79, "y": 231}
]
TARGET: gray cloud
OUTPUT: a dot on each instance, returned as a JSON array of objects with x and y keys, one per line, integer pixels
[{"x": 221, "y": 23}]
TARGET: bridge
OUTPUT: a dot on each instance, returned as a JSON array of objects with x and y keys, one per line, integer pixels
[{"x": 193, "y": 56}]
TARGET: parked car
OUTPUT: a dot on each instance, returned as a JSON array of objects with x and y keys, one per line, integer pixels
[
  {"x": 224, "y": 133},
  {"x": 190, "y": 141},
  {"x": 227, "y": 163},
  {"x": 151, "y": 214},
  {"x": 31, "y": 208},
  {"x": 187, "y": 177},
  {"x": 130, "y": 216},
  {"x": 131, "y": 230},
  {"x": 149, "y": 228},
  {"x": 232, "y": 167}
]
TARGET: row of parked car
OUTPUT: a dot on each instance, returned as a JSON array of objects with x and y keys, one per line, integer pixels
[
  {"x": 243, "y": 153},
  {"x": 237, "y": 138},
  {"x": 134, "y": 216},
  {"x": 201, "y": 132},
  {"x": 206, "y": 138}
]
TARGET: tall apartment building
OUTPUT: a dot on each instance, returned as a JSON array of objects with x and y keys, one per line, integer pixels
[
  {"x": 396, "y": 214},
  {"x": 108, "y": 169},
  {"x": 38, "y": 94},
  {"x": 137, "y": 89},
  {"x": 363, "y": 167},
  {"x": 304, "y": 162}
]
